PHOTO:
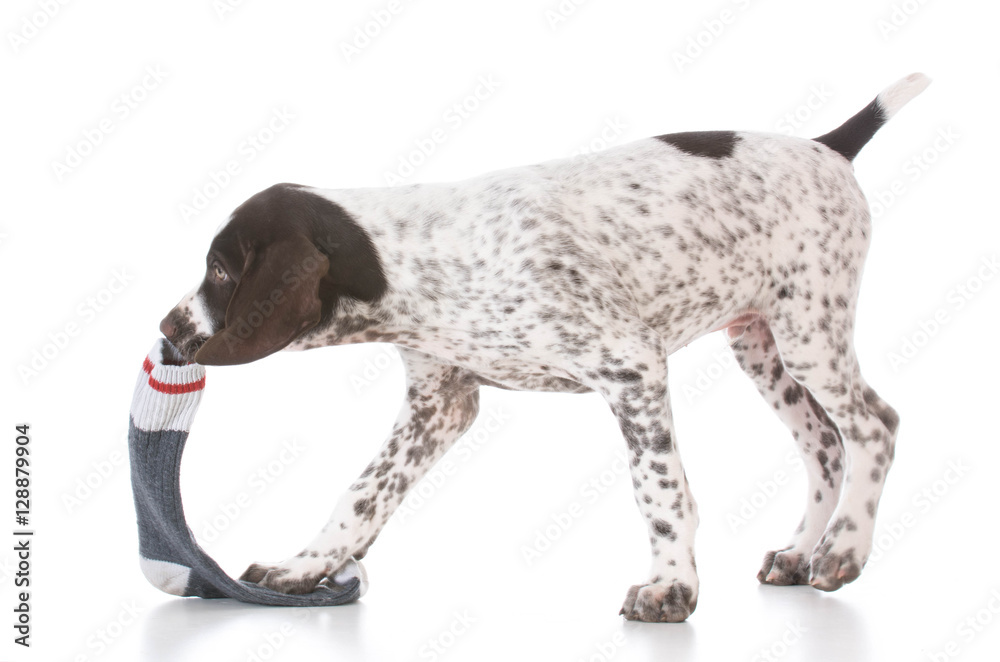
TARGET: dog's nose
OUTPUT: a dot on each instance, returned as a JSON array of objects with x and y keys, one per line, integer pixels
[{"x": 167, "y": 327}]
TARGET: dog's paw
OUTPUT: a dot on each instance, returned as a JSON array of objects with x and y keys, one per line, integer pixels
[
  {"x": 785, "y": 567},
  {"x": 830, "y": 570},
  {"x": 659, "y": 603},
  {"x": 350, "y": 570},
  {"x": 298, "y": 575}
]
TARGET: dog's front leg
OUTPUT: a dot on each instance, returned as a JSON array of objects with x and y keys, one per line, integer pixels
[
  {"x": 632, "y": 377},
  {"x": 441, "y": 404}
]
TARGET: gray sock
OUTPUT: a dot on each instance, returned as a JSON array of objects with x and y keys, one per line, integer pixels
[{"x": 165, "y": 402}]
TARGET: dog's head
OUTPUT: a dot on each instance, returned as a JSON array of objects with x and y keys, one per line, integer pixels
[{"x": 276, "y": 270}]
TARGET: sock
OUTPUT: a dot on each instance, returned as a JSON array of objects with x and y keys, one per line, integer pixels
[{"x": 164, "y": 404}]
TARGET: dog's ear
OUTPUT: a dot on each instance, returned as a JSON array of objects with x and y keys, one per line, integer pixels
[{"x": 276, "y": 301}]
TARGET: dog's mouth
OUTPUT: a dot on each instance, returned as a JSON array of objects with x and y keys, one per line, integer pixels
[
  {"x": 187, "y": 348},
  {"x": 178, "y": 351},
  {"x": 183, "y": 336}
]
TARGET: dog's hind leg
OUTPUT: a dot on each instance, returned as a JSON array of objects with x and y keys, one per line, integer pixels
[
  {"x": 816, "y": 437},
  {"x": 819, "y": 354}
]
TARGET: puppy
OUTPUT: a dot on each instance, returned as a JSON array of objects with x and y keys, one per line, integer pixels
[{"x": 578, "y": 275}]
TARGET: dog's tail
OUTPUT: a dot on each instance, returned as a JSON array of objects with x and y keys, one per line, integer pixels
[{"x": 852, "y": 135}]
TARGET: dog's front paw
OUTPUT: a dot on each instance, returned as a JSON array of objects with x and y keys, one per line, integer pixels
[
  {"x": 298, "y": 575},
  {"x": 785, "y": 567},
  {"x": 659, "y": 603},
  {"x": 831, "y": 569},
  {"x": 350, "y": 570}
]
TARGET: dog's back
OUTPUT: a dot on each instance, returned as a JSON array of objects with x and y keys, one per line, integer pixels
[{"x": 692, "y": 228}]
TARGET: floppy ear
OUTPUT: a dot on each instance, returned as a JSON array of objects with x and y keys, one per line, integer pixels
[{"x": 276, "y": 300}]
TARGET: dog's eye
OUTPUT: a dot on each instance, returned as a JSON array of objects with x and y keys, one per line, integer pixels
[{"x": 219, "y": 273}]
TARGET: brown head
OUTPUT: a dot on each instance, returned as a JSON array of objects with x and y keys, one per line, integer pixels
[{"x": 275, "y": 271}]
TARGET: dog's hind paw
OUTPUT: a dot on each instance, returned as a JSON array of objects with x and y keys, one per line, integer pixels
[
  {"x": 785, "y": 567},
  {"x": 831, "y": 570}
]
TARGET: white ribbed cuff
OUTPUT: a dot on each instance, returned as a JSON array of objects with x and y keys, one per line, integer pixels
[{"x": 166, "y": 397}]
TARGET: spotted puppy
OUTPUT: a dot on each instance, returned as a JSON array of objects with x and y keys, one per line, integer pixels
[{"x": 579, "y": 275}]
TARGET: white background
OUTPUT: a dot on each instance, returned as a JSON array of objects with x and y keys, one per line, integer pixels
[{"x": 460, "y": 556}]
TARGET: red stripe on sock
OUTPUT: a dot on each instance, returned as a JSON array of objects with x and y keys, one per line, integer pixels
[{"x": 172, "y": 389}]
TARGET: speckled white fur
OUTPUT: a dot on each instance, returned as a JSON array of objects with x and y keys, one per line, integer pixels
[{"x": 584, "y": 274}]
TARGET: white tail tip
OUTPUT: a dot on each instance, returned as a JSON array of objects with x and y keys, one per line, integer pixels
[{"x": 897, "y": 95}]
